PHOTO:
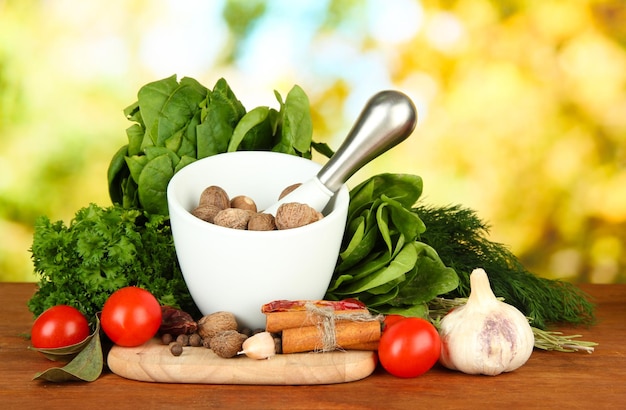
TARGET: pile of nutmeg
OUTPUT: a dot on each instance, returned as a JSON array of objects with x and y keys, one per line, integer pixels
[{"x": 240, "y": 212}]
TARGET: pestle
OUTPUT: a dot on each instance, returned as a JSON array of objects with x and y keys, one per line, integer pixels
[{"x": 387, "y": 119}]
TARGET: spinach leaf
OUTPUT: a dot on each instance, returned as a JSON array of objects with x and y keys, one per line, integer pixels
[
  {"x": 213, "y": 135},
  {"x": 135, "y": 164},
  {"x": 224, "y": 97},
  {"x": 382, "y": 262},
  {"x": 293, "y": 124},
  {"x": 150, "y": 100},
  {"x": 402, "y": 263},
  {"x": 117, "y": 175},
  {"x": 190, "y": 138},
  {"x": 248, "y": 122},
  {"x": 177, "y": 111},
  {"x": 135, "y": 135},
  {"x": 360, "y": 245},
  {"x": 297, "y": 126},
  {"x": 403, "y": 188},
  {"x": 152, "y": 184},
  {"x": 421, "y": 285}
]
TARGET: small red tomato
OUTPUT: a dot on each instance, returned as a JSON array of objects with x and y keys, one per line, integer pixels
[
  {"x": 409, "y": 348},
  {"x": 131, "y": 316},
  {"x": 59, "y": 326},
  {"x": 391, "y": 320}
]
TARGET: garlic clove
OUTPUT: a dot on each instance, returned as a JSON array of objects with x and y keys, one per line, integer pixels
[{"x": 259, "y": 346}]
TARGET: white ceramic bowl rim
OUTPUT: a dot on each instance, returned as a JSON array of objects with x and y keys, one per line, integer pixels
[{"x": 191, "y": 168}]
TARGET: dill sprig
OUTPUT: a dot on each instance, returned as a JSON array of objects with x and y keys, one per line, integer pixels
[{"x": 461, "y": 240}]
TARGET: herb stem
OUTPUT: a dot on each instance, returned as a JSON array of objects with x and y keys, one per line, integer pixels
[{"x": 550, "y": 340}]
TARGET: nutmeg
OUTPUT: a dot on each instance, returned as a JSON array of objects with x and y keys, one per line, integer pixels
[
  {"x": 232, "y": 218},
  {"x": 206, "y": 212},
  {"x": 227, "y": 344},
  {"x": 214, "y": 195},
  {"x": 261, "y": 222},
  {"x": 288, "y": 190},
  {"x": 243, "y": 202},
  {"x": 294, "y": 214},
  {"x": 214, "y": 323}
]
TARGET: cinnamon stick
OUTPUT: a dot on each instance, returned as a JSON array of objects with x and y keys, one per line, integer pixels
[
  {"x": 279, "y": 321},
  {"x": 346, "y": 334},
  {"x": 373, "y": 345}
]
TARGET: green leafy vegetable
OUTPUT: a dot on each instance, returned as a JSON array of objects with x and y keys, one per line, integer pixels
[
  {"x": 461, "y": 239},
  {"x": 381, "y": 261},
  {"x": 176, "y": 123},
  {"x": 102, "y": 250}
]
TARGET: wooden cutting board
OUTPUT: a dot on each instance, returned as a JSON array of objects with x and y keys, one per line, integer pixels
[{"x": 153, "y": 362}]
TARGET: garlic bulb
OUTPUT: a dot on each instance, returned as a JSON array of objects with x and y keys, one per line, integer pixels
[{"x": 486, "y": 335}]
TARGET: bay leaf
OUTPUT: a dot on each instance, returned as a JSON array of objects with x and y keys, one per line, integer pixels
[{"x": 86, "y": 366}]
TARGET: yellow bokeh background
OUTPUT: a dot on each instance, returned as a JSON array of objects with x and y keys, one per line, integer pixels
[{"x": 522, "y": 104}]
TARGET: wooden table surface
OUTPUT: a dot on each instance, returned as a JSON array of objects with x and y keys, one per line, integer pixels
[{"x": 551, "y": 380}]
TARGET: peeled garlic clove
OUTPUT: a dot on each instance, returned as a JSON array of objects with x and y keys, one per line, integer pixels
[
  {"x": 485, "y": 336},
  {"x": 259, "y": 346}
]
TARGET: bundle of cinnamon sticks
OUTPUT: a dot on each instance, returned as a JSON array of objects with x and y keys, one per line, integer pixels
[{"x": 322, "y": 325}]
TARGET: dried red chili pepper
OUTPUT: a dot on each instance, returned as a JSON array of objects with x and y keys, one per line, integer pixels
[
  {"x": 176, "y": 322},
  {"x": 295, "y": 305}
]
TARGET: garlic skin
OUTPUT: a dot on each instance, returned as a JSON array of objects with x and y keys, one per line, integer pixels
[
  {"x": 259, "y": 346},
  {"x": 485, "y": 336}
]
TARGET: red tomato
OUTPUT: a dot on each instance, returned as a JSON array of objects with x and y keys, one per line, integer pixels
[
  {"x": 392, "y": 319},
  {"x": 131, "y": 316},
  {"x": 409, "y": 348},
  {"x": 59, "y": 326}
]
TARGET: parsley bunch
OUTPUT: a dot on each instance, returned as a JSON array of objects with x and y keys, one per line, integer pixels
[{"x": 100, "y": 251}]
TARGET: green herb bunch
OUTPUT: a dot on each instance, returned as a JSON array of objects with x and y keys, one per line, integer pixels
[
  {"x": 462, "y": 241},
  {"x": 100, "y": 251}
]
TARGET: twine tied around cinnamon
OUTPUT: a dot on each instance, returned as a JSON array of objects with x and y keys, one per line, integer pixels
[{"x": 328, "y": 318}]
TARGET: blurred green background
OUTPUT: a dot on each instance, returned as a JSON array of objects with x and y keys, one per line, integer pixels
[{"x": 522, "y": 104}]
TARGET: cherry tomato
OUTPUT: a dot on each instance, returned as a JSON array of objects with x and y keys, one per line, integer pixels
[
  {"x": 409, "y": 348},
  {"x": 59, "y": 326},
  {"x": 392, "y": 319},
  {"x": 131, "y": 316}
]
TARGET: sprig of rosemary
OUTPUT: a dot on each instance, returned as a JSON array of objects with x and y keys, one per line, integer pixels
[
  {"x": 544, "y": 339},
  {"x": 550, "y": 340}
]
